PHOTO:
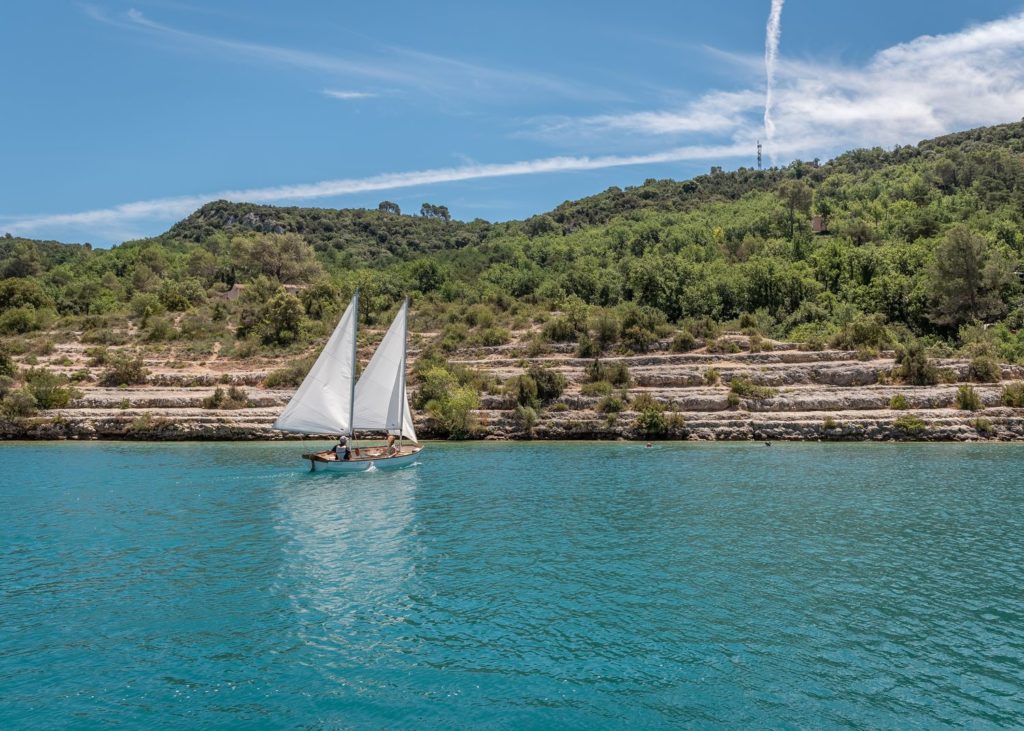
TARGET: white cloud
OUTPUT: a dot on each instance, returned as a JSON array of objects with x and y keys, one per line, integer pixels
[
  {"x": 349, "y": 95},
  {"x": 929, "y": 86},
  {"x": 170, "y": 209}
]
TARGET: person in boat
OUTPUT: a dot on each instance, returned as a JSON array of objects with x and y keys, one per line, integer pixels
[
  {"x": 341, "y": 450},
  {"x": 392, "y": 450}
]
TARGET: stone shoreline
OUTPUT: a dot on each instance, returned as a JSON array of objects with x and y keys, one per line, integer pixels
[{"x": 254, "y": 424}]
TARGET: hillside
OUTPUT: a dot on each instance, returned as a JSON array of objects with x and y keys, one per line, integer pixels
[{"x": 635, "y": 312}]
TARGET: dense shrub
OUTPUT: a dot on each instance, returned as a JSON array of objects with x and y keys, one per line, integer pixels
[
  {"x": 559, "y": 330},
  {"x": 745, "y": 388},
  {"x": 7, "y": 367},
  {"x": 178, "y": 296},
  {"x": 453, "y": 412},
  {"x": 233, "y": 398},
  {"x": 967, "y": 399},
  {"x": 596, "y": 388},
  {"x": 683, "y": 342},
  {"x": 1013, "y": 395},
  {"x": 606, "y": 329},
  {"x": 550, "y": 383},
  {"x": 50, "y": 390},
  {"x": 898, "y": 402},
  {"x": 984, "y": 369},
  {"x": 525, "y": 419},
  {"x": 723, "y": 346},
  {"x": 587, "y": 347},
  {"x": 615, "y": 372},
  {"x": 866, "y": 331},
  {"x": 20, "y": 320},
  {"x": 522, "y": 390},
  {"x": 124, "y": 369},
  {"x": 914, "y": 366},
  {"x": 18, "y": 403},
  {"x": 650, "y": 419},
  {"x": 159, "y": 329},
  {"x": 290, "y": 375},
  {"x": 146, "y": 304},
  {"x": 637, "y": 339},
  {"x": 984, "y": 427},
  {"x": 281, "y": 320},
  {"x": 910, "y": 424},
  {"x": 104, "y": 335},
  {"x": 493, "y": 336},
  {"x": 610, "y": 405}
]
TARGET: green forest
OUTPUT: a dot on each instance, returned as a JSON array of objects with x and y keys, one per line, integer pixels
[{"x": 919, "y": 247}]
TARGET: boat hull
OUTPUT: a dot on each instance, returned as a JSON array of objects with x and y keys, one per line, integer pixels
[{"x": 319, "y": 464}]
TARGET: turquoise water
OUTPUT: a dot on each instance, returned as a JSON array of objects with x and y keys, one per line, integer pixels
[{"x": 513, "y": 585}]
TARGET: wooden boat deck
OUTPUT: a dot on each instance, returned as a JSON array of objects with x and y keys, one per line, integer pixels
[{"x": 363, "y": 454}]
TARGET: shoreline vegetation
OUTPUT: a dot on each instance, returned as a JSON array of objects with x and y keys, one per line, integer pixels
[{"x": 879, "y": 296}]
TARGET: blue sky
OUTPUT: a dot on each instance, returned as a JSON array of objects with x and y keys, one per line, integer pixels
[{"x": 120, "y": 118}]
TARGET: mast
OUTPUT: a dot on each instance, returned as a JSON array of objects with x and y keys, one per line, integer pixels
[
  {"x": 383, "y": 381},
  {"x": 352, "y": 383},
  {"x": 405, "y": 348}
]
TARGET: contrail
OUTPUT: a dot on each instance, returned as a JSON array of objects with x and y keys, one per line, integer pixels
[
  {"x": 771, "y": 52},
  {"x": 174, "y": 207}
]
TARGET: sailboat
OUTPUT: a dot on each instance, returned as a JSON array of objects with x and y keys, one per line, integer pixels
[{"x": 331, "y": 400}]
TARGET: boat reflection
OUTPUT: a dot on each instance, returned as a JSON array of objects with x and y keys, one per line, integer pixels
[{"x": 348, "y": 545}]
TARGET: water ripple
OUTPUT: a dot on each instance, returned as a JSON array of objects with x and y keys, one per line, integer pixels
[{"x": 548, "y": 585}]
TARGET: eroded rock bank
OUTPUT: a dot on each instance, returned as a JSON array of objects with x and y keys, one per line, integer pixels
[{"x": 799, "y": 395}]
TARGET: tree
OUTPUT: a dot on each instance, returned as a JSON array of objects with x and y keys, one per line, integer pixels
[
  {"x": 320, "y": 299},
  {"x": 428, "y": 275},
  {"x": 389, "y": 207},
  {"x": 284, "y": 257},
  {"x": 968, "y": 279},
  {"x": 23, "y": 261},
  {"x": 7, "y": 367},
  {"x": 178, "y": 296},
  {"x": 18, "y": 292},
  {"x": 428, "y": 210},
  {"x": 797, "y": 196},
  {"x": 281, "y": 319}
]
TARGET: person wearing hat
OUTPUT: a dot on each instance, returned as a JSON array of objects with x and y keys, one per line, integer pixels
[{"x": 341, "y": 450}]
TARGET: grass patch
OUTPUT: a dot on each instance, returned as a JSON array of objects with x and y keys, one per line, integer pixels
[
  {"x": 967, "y": 399},
  {"x": 910, "y": 424},
  {"x": 745, "y": 388}
]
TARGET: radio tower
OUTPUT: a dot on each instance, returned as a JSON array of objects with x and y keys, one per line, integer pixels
[{"x": 759, "y": 154}]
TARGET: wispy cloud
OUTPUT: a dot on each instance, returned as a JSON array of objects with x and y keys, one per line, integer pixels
[
  {"x": 349, "y": 95},
  {"x": 412, "y": 69},
  {"x": 928, "y": 86},
  {"x": 771, "y": 54},
  {"x": 712, "y": 113},
  {"x": 170, "y": 209}
]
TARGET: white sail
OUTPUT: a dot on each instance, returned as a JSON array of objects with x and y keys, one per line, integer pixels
[
  {"x": 323, "y": 403},
  {"x": 382, "y": 403}
]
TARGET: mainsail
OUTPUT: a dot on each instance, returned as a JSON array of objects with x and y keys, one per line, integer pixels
[
  {"x": 323, "y": 403},
  {"x": 381, "y": 401}
]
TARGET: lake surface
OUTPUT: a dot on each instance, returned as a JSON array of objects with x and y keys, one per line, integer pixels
[{"x": 513, "y": 585}]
